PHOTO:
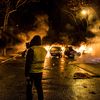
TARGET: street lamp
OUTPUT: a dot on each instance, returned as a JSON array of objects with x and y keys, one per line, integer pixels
[
  {"x": 84, "y": 15},
  {"x": 87, "y": 13},
  {"x": 84, "y": 12}
]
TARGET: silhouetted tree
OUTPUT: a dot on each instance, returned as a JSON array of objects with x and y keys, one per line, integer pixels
[{"x": 10, "y": 6}]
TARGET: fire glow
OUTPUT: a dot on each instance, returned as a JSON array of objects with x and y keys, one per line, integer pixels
[
  {"x": 48, "y": 51},
  {"x": 84, "y": 49},
  {"x": 48, "y": 47}
]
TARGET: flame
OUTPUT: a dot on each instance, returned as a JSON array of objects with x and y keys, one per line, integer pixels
[{"x": 84, "y": 49}]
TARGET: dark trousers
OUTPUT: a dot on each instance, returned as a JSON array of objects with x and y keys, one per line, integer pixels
[{"x": 37, "y": 79}]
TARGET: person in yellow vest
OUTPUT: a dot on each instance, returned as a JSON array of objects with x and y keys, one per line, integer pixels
[{"x": 34, "y": 67}]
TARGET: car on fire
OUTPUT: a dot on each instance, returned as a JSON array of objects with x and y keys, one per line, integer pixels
[
  {"x": 70, "y": 53},
  {"x": 56, "y": 51}
]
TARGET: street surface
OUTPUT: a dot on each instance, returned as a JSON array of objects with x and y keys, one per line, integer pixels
[{"x": 59, "y": 80}]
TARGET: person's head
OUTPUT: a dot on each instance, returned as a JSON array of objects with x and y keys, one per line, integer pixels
[{"x": 35, "y": 41}]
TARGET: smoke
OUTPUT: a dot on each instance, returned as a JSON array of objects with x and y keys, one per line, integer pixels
[
  {"x": 65, "y": 18},
  {"x": 40, "y": 28},
  {"x": 95, "y": 28},
  {"x": 58, "y": 22},
  {"x": 95, "y": 44}
]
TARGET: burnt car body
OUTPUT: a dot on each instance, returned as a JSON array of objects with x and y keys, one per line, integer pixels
[
  {"x": 56, "y": 51},
  {"x": 70, "y": 53}
]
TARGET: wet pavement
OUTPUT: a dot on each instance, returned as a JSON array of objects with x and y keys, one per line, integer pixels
[{"x": 58, "y": 80}]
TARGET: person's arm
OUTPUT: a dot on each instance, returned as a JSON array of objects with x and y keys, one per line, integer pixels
[{"x": 29, "y": 60}]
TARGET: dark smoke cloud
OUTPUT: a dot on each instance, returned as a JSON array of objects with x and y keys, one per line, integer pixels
[
  {"x": 62, "y": 22},
  {"x": 62, "y": 25}
]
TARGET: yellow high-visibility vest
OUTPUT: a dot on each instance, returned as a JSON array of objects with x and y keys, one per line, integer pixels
[{"x": 38, "y": 59}]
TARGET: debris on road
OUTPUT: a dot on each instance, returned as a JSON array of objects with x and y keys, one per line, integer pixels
[
  {"x": 85, "y": 86},
  {"x": 81, "y": 75},
  {"x": 92, "y": 92}
]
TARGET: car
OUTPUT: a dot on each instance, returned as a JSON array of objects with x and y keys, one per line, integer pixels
[
  {"x": 70, "y": 52},
  {"x": 56, "y": 51}
]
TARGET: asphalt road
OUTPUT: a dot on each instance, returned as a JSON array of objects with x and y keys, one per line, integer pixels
[{"x": 59, "y": 80}]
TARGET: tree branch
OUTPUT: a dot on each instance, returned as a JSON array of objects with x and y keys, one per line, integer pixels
[
  {"x": 12, "y": 11},
  {"x": 18, "y": 3},
  {"x": 71, "y": 15}
]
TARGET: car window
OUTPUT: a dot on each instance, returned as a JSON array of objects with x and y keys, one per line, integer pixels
[{"x": 55, "y": 48}]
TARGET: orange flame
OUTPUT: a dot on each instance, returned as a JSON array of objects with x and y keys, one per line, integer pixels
[{"x": 84, "y": 49}]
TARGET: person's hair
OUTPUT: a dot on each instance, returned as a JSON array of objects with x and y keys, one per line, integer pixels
[{"x": 35, "y": 41}]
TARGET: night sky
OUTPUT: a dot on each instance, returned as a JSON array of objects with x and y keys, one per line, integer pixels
[{"x": 25, "y": 17}]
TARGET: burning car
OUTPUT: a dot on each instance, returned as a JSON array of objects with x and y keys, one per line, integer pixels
[
  {"x": 56, "y": 51},
  {"x": 70, "y": 53}
]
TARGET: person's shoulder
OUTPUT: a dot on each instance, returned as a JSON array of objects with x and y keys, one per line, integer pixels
[{"x": 42, "y": 48}]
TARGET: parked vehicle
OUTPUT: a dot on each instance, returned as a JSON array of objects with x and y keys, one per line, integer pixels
[
  {"x": 56, "y": 51},
  {"x": 70, "y": 53}
]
